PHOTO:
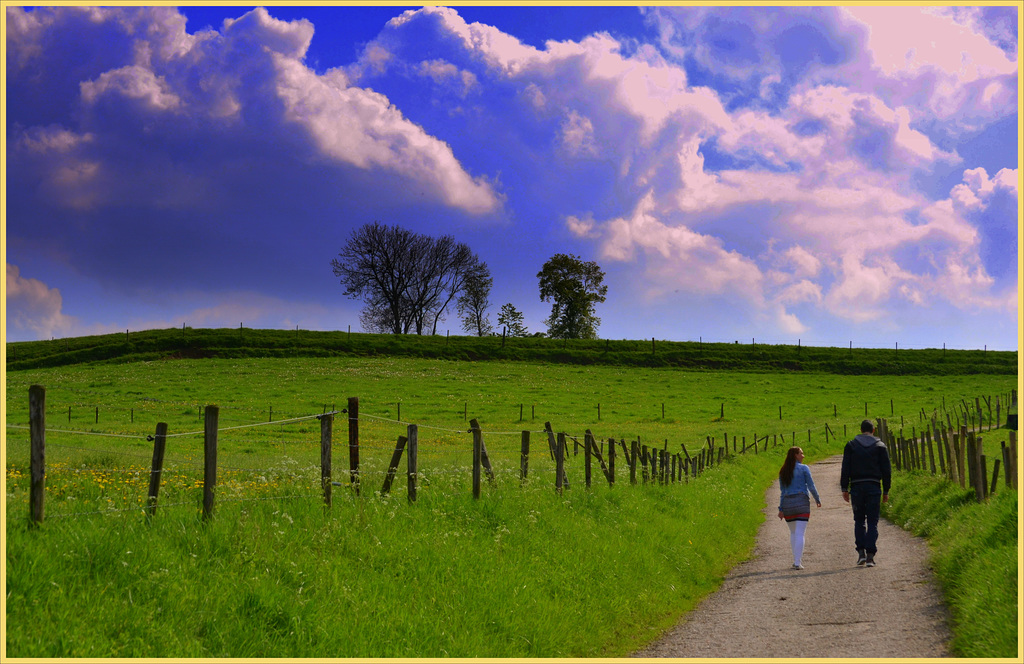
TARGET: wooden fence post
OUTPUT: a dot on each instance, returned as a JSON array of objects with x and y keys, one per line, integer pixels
[
  {"x": 1013, "y": 452},
  {"x": 559, "y": 462},
  {"x": 631, "y": 457},
  {"x": 156, "y": 474},
  {"x": 551, "y": 439},
  {"x": 938, "y": 445},
  {"x": 961, "y": 457},
  {"x": 478, "y": 443},
  {"x": 951, "y": 468},
  {"x": 1006, "y": 464},
  {"x": 353, "y": 442},
  {"x": 931, "y": 451},
  {"x": 553, "y": 446},
  {"x": 587, "y": 446},
  {"x": 412, "y": 458},
  {"x": 326, "y": 430},
  {"x": 973, "y": 469},
  {"x": 611, "y": 462},
  {"x": 37, "y": 435},
  {"x": 209, "y": 459},
  {"x": 524, "y": 456},
  {"x": 396, "y": 456}
]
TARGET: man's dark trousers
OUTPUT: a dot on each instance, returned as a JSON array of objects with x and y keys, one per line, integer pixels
[{"x": 866, "y": 498}]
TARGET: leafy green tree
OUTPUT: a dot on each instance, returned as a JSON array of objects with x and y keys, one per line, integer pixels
[
  {"x": 512, "y": 320},
  {"x": 574, "y": 287},
  {"x": 475, "y": 300}
]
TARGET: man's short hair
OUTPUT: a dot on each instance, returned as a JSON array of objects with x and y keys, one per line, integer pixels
[{"x": 866, "y": 426}]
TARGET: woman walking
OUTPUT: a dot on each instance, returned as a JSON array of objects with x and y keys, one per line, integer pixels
[{"x": 794, "y": 504}]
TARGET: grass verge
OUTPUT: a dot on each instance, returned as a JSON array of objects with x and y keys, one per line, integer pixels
[
  {"x": 974, "y": 556},
  {"x": 523, "y": 572}
]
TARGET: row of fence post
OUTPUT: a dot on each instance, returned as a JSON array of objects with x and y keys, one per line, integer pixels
[
  {"x": 956, "y": 454},
  {"x": 960, "y": 456}
]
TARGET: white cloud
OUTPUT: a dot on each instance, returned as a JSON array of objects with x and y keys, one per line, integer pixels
[
  {"x": 361, "y": 127},
  {"x": 677, "y": 258},
  {"x": 132, "y": 82},
  {"x": 907, "y": 40},
  {"x": 34, "y": 307},
  {"x": 223, "y": 93},
  {"x": 921, "y": 57},
  {"x": 578, "y": 135},
  {"x": 445, "y": 73},
  {"x": 582, "y": 228}
]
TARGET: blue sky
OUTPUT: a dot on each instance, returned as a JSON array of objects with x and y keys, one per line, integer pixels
[{"x": 822, "y": 174}]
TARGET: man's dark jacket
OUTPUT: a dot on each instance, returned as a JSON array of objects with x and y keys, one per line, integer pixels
[{"x": 865, "y": 459}]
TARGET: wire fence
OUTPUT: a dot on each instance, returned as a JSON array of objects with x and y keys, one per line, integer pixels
[{"x": 302, "y": 465}]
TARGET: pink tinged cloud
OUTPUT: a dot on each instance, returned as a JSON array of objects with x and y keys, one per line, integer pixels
[
  {"x": 445, "y": 73},
  {"x": 978, "y": 187},
  {"x": 677, "y": 258},
  {"x": 577, "y": 136},
  {"x": 915, "y": 51},
  {"x": 33, "y": 306}
]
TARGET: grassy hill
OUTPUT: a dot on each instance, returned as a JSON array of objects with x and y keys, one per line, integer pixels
[{"x": 238, "y": 343}]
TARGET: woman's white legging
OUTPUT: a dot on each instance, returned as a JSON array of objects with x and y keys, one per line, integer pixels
[{"x": 796, "y": 539}]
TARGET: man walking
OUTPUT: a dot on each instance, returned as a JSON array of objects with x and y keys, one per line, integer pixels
[{"x": 865, "y": 478}]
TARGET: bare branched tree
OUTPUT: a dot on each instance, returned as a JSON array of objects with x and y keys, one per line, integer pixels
[
  {"x": 475, "y": 300},
  {"x": 406, "y": 279}
]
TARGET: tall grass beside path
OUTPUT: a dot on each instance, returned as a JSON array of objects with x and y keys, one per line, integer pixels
[
  {"x": 975, "y": 556},
  {"x": 522, "y": 572}
]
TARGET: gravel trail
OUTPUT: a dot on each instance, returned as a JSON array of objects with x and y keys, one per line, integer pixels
[{"x": 831, "y": 608}]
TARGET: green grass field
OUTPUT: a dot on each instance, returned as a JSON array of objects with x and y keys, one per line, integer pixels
[
  {"x": 974, "y": 553},
  {"x": 522, "y": 572}
]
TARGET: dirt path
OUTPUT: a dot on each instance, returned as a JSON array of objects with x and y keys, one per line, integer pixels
[{"x": 831, "y": 608}]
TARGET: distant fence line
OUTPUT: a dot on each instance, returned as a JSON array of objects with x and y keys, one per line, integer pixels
[
  {"x": 960, "y": 455},
  {"x": 754, "y": 341}
]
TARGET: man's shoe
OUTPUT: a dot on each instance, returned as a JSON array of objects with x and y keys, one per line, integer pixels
[
  {"x": 795, "y": 566},
  {"x": 870, "y": 562},
  {"x": 862, "y": 557}
]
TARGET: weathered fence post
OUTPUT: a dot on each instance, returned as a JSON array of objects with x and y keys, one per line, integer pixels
[
  {"x": 524, "y": 456},
  {"x": 587, "y": 443},
  {"x": 961, "y": 458},
  {"x": 611, "y": 462},
  {"x": 551, "y": 439},
  {"x": 560, "y": 463},
  {"x": 353, "y": 443},
  {"x": 634, "y": 452},
  {"x": 478, "y": 444},
  {"x": 1013, "y": 452},
  {"x": 553, "y": 445},
  {"x": 156, "y": 473},
  {"x": 983, "y": 475},
  {"x": 938, "y": 445},
  {"x": 1006, "y": 464},
  {"x": 326, "y": 430},
  {"x": 37, "y": 435},
  {"x": 972, "y": 460},
  {"x": 209, "y": 459},
  {"x": 412, "y": 458},
  {"x": 396, "y": 456},
  {"x": 931, "y": 452}
]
